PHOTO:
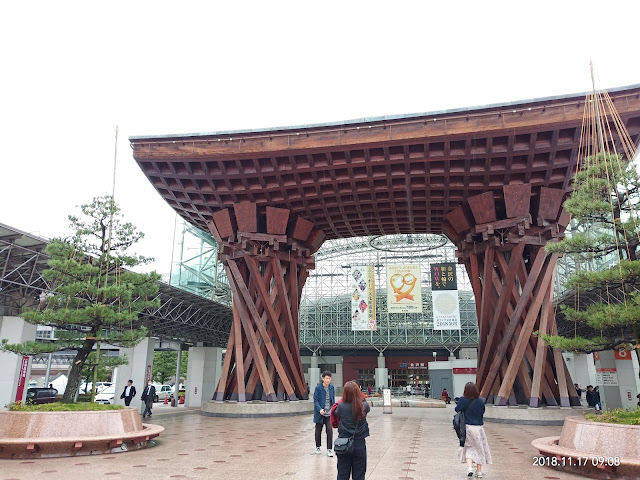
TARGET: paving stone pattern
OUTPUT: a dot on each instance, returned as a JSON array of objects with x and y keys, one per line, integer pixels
[{"x": 411, "y": 443}]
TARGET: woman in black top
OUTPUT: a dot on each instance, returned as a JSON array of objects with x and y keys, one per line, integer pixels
[
  {"x": 476, "y": 448},
  {"x": 352, "y": 414}
]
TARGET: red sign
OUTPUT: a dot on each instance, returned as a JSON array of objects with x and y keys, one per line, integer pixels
[
  {"x": 469, "y": 370},
  {"x": 148, "y": 373},
  {"x": 22, "y": 378},
  {"x": 596, "y": 356},
  {"x": 623, "y": 355}
]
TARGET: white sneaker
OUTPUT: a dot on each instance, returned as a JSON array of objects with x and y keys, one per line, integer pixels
[
  {"x": 329, "y": 452},
  {"x": 318, "y": 452},
  {"x": 470, "y": 472},
  {"x": 479, "y": 474}
]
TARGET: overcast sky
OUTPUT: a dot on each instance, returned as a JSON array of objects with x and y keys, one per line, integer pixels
[{"x": 72, "y": 71}]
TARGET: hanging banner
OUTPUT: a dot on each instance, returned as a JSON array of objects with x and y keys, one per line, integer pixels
[
  {"x": 403, "y": 289},
  {"x": 363, "y": 298},
  {"x": 22, "y": 378},
  {"x": 444, "y": 294}
]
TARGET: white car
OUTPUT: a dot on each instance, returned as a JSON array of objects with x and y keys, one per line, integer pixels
[
  {"x": 106, "y": 396},
  {"x": 162, "y": 392}
]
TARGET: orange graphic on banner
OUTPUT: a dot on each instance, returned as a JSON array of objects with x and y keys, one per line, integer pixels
[
  {"x": 408, "y": 280},
  {"x": 623, "y": 355}
]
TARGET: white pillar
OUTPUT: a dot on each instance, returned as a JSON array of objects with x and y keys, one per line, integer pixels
[
  {"x": 382, "y": 373},
  {"x": 139, "y": 368},
  {"x": 204, "y": 370},
  {"x": 627, "y": 369},
  {"x": 338, "y": 380},
  {"x": 314, "y": 374},
  {"x": 15, "y": 330},
  {"x": 607, "y": 380}
]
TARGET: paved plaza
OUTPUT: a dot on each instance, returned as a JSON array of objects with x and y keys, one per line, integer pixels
[{"x": 411, "y": 443}]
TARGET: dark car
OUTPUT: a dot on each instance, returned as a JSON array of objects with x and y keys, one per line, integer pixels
[{"x": 36, "y": 396}]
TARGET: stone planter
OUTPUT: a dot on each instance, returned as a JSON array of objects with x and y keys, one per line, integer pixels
[
  {"x": 594, "y": 449},
  {"x": 59, "y": 434}
]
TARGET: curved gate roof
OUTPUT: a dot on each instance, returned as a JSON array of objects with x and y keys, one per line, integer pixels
[{"x": 379, "y": 176}]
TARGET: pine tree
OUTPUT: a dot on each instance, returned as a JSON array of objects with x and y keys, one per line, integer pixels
[
  {"x": 603, "y": 244},
  {"x": 95, "y": 297}
]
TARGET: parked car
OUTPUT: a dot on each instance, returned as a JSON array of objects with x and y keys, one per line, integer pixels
[
  {"x": 37, "y": 396},
  {"x": 162, "y": 392},
  {"x": 100, "y": 386},
  {"x": 106, "y": 396}
]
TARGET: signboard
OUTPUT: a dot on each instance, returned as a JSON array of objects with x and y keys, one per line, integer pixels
[
  {"x": 444, "y": 294},
  {"x": 386, "y": 400},
  {"x": 622, "y": 355},
  {"x": 363, "y": 298},
  {"x": 469, "y": 370},
  {"x": 403, "y": 289},
  {"x": 148, "y": 374},
  {"x": 22, "y": 378},
  {"x": 607, "y": 377}
]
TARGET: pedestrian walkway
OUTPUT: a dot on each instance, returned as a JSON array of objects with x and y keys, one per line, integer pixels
[{"x": 411, "y": 443}]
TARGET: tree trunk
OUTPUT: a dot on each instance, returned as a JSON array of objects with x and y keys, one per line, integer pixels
[{"x": 76, "y": 371}]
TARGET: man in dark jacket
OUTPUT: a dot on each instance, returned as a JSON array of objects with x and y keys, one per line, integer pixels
[
  {"x": 147, "y": 397},
  {"x": 128, "y": 393},
  {"x": 323, "y": 399},
  {"x": 592, "y": 397}
]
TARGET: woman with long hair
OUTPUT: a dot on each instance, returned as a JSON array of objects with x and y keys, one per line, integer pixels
[
  {"x": 476, "y": 448},
  {"x": 352, "y": 415}
]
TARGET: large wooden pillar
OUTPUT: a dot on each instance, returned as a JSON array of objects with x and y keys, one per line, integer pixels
[
  {"x": 500, "y": 240},
  {"x": 266, "y": 253}
]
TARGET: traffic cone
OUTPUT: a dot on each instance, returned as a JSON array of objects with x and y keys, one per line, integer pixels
[{"x": 166, "y": 401}]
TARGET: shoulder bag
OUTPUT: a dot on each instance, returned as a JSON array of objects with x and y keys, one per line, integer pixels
[{"x": 344, "y": 445}]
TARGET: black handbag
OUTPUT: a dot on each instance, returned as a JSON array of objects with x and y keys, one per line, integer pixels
[{"x": 344, "y": 445}]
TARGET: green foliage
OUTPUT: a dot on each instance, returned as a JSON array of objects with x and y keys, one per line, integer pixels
[
  {"x": 28, "y": 348},
  {"x": 577, "y": 344},
  {"x": 605, "y": 191},
  {"x": 165, "y": 364},
  {"x": 63, "y": 407},
  {"x": 618, "y": 415},
  {"x": 94, "y": 297}
]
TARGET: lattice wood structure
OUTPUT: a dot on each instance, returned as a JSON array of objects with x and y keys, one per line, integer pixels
[
  {"x": 267, "y": 255},
  {"x": 404, "y": 174},
  {"x": 501, "y": 243}
]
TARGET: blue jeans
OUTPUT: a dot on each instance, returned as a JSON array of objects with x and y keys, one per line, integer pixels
[{"x": 355, "y": 465}]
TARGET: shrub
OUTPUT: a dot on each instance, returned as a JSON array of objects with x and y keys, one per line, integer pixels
[
  {"x": 624, "y": 417},
  {"x": 62, "y": 407}
]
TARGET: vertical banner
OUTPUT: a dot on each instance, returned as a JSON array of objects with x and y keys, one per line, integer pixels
[
  {"x": 22, "y": 378},
  {"x": 444, "y": 293},
  {"x": 403, "y": 289},
  {"x": 363, "y": 298}
]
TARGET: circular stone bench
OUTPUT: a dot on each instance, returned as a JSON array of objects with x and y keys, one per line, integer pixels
[
  {"x": 256, "y": 409},
  {"x": 399, "y": 402},
  {"x": 591, "y": 448},
  {"x": 60, "y": 434}
]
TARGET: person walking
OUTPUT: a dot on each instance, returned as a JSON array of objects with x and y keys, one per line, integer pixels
[
  {"x": 476, "y": 448},
  {"x": 323, "y": 398},
  {"x": 128, "y": 393},
  {"x": 592, "y": 396},
  {"x": 445, "y": 395},
  {"x": 147, "y": 397},
  {"x": 351, "y": 413},
  {"x": 598, "y": 402}
]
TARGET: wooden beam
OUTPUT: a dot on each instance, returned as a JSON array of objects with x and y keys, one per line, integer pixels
[
  {"x": 545, "y": 286},
  {"x": 501, "y": 307},
  {"x": 524, "y": 297}
]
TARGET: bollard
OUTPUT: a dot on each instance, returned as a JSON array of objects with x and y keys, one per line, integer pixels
[{"x": 181, "y": 399}]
